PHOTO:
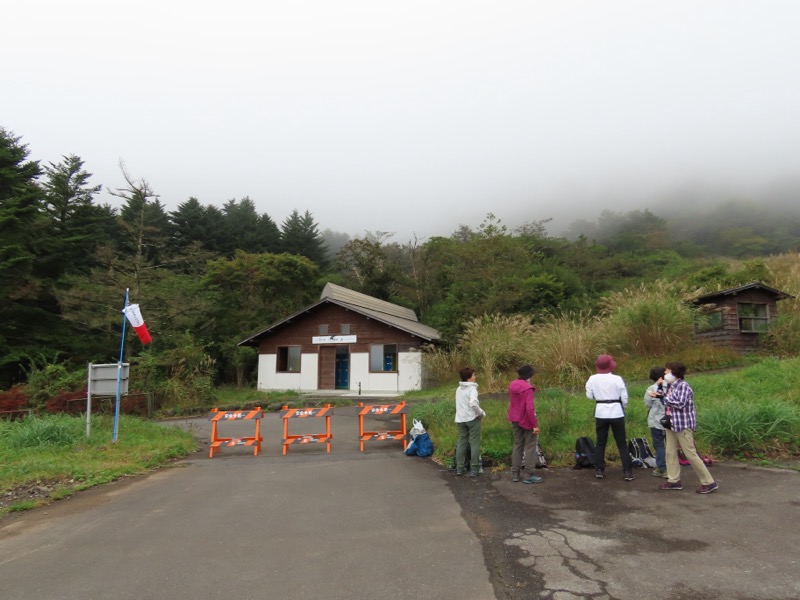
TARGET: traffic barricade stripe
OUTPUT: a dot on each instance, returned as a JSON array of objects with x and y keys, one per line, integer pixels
[
  {"x": 376, "y": 410},
  {"x": 307, "y": 438},
  {"x": 217, "y": 442}
]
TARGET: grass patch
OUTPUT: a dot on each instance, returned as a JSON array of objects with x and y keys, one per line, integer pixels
[{"x": 50, "y": 457}]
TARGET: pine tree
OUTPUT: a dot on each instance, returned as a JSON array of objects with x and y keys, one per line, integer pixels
[
  {"x": 78, "y": 226},
  {"x": 22, "y": 230},
  {"x": 247, "y": 230},
  {"x": 300, "y": 235}
]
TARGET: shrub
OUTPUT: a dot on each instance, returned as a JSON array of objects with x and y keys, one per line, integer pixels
[
  {"x": 14, "y": 399},
  {"x": 46, "y": 381},
  {"x": 60, "y": 403}
]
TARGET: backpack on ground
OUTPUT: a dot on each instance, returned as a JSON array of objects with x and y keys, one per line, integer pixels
[
  {"x": 541, "y": 461},
  {"x": 584, "y": 453},
  {"x": 640, "y": 452}
]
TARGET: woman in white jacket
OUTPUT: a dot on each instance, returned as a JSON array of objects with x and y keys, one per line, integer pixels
[{"x": 468, "y": 418}]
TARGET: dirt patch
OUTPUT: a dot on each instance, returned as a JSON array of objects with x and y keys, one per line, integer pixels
[{"x": 39, "y": 492}]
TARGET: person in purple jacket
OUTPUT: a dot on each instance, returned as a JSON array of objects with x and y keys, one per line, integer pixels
[{"x": 522, "y": 416}]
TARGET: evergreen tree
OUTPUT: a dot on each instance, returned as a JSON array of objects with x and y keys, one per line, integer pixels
[
  {"x": 22, "y": 231},
  {"x": 187, "y": 225},
  {"x": 247, "y": 230},
  {"x": 78, "y": 227},
  {"x": 300, "y": 235}
]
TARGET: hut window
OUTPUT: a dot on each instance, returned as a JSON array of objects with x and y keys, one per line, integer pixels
[
  {"x": 345, "y": 328},
  {"x": 752, "y": 317},
  {"x": 383, "y": 358},
  {"x": 289, "y": 359},
  {"x": 323, "y": 330},
  {"x": 713, "y": 321}
]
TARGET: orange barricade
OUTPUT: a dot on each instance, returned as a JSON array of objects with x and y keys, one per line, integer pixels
[
  {"x": 382, "y": 409},
  {"x": 215, "y": 416},
  {"x": 306, "y": 438}
]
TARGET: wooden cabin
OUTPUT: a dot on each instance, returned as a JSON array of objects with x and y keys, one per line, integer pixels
[{"x": 737, "y": 316}]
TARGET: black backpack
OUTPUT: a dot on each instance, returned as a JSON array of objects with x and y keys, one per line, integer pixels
[
  {"x": 640, "y": 452},
  {"x": 584, "y": 453}
]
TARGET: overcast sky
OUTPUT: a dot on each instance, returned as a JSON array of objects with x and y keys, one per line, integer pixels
[{"x": 411, "y": 116}]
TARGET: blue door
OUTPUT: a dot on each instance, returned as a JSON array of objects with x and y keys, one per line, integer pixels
[{"x": 342, "y": 368}]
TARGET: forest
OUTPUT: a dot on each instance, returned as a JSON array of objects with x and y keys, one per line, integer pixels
[{"x": 206, "y": 277}]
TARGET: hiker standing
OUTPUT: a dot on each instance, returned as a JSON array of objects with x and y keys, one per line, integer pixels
[
  {"x": 683, "y": 416},
  {"x": 654, "y": 401},
  {"x": 468, "y": 418},
  {"x": 522, "y": 416},
  {"x": 611, "y": 397}
]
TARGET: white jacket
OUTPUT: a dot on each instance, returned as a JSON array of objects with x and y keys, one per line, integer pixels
[
  {"x": 467, "y": 406},
  {"x": 607, "y": 386}
]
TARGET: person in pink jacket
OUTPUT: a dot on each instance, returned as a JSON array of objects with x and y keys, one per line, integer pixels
[{"x": 522, "y": 416}]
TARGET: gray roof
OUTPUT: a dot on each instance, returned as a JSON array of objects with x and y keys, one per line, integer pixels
[
  {"x": 756, "y": 285},
  {"x": 390, "y": 314},
  {"x": 351, "y": 298}
]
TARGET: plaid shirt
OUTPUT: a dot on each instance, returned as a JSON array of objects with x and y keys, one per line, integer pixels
[{"x": 680, "y": 402}]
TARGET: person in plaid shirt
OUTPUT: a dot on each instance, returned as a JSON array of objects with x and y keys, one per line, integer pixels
[{"x": 680, "y": 407}]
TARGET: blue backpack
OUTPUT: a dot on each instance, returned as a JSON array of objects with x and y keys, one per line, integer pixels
[{"x": 420, "y": 446}]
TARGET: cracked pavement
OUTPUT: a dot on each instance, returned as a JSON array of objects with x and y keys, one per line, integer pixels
[{"x": 575, "y": 537}]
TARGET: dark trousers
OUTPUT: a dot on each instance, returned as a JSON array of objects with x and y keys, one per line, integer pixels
[
  {"x": 618, "y": 429},
  {"x": 659, "y": 446}
]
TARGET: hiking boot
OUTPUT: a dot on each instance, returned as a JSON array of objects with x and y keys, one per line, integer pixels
[
  {"x": 533, "y": 479},
  {"x": 514, "y": 477},
  {"x": 599, "y": 473},
  {"x": 658, "y": 472},
  {"x": 707, "y": 489},
  {"x": 474, "y": 473},
  {"x": 672, "y": 486},
  {"x": 460, "y": 472},
  {"x": 628, "y": 476}
]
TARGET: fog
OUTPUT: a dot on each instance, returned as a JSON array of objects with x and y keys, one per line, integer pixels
[{"x": 415, "y": 117}]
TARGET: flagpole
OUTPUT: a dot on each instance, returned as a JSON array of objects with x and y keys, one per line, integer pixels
[{"x": 119, "y": 370}]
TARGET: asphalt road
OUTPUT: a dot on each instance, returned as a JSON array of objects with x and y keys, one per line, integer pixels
[{"x": 376, "y": 524}]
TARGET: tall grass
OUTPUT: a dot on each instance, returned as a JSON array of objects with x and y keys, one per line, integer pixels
[
  {"x": 564, "y": 349},
  {"x": 783, "y": 335},
  {"x": 494, "y": 345},
  {"x": 56, "y": 431},
  {"x": 642, "y": 326},
  {"x": 649, "y": 320}
]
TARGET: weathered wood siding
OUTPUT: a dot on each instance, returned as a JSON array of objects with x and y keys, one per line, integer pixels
[{"x": 730, "y": 335}]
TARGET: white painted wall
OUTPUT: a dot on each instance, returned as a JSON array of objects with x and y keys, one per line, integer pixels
[
  {"x": 305, "y": 380},
  {"x": 409, "y": 376}
]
